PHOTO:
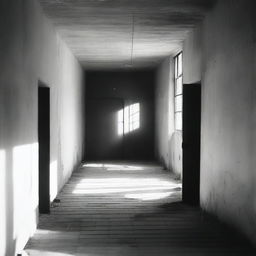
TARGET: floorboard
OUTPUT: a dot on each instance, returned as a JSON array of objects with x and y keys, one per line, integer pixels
[{"x": 129, "y": 209}]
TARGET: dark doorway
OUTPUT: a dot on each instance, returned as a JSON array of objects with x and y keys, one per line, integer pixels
[
  {"x": 44, "y": 147},
  {"x": 191, "y": 143},
  {"x": 104, "y": 129}
]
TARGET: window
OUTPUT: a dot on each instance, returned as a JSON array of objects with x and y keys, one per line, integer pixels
[
  {"x": 134, "y": 116},
  {"x": 178, "y": 91},
  {"x": 129, "y": 119}
]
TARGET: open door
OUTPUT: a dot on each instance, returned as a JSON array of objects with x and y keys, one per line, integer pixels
[
  {"x": 191, "y": 143},
  {"x": 44, "y": 148}
]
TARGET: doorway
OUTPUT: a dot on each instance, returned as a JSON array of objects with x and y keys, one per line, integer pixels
[
  {"x": 191, "y": 143},
  {"x": 44, "y": 147}
]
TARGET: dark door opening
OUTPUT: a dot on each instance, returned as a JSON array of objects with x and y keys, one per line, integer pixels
[
  {"x": 44, "y": 147},
  {"x": 191, "y": 143}
]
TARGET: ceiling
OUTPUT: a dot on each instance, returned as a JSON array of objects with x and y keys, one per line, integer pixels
[{"x": 110, "y": 34}]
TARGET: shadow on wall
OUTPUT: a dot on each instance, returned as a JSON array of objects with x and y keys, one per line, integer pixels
[
  {"x": 175, "y": 149},
  {"x": 18, "y": 196},
  {"x": 174, "y": 163}
]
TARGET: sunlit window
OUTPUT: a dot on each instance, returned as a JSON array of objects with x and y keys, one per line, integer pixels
[
  {"x": 129, "y": 119},
  {"x": 178, "y": 75},
  {"x": 134, "y": 117},
  {"x": 120, "y": 124}
]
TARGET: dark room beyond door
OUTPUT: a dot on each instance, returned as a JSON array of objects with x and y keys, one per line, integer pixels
[
  {"x": 44, "y": 148},
  {"x": 191, "y": 143}
]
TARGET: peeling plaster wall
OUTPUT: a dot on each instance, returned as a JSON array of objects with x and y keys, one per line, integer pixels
[
  {"x": 222, "y": 53},
  {"x": 167, "y": 141},
  {"x": 192, "y": 56},
  {"x": 30, "y": 50},
  {"x": 227, "y": 173}
]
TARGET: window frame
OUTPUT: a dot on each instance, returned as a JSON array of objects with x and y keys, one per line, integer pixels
[
  {"x": 129, "y": 118},
  {"x": 134, "y": 117},
  {"x": 178, "y": 93}
]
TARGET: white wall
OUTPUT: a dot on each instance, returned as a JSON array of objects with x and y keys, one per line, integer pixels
[
  {"x": 30, "y": 50},
  {"x": 227, "y": 173},
  {"x": 167, "y": 140},
  {"x": 192, "y": 56},
  {"x": 226, "y": 64},
  {"x": 220, "y": 53}
]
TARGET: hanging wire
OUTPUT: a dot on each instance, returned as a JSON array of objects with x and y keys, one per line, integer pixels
[{"x": 132, "y": 39}]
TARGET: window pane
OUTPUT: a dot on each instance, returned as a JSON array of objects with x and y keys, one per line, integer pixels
[
  {"x": 136, "y": 125},
  {"x": 178, "y": 103},
  {"x": 120, "y": 122},
  {"x": 130, "y": 127},
  {"x": 175, "y": 67},
  {"x": 126, "y": 119},
  {"x": 178, "y": 89},
  {"x": 135, "y": 117},
  {"x": 178, "y": 121},
  {"x": 136, "y": 108},
  {"x": 180, "y": 64}
]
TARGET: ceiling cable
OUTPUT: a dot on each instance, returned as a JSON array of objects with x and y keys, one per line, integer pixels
[{"x": 132, "y": 39}]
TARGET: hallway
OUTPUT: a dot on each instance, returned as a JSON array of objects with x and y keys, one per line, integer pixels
[{"x": 122, "y": 209}]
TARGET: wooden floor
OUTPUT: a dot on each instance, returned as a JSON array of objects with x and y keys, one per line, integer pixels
[{"x": 129, "y": 209}]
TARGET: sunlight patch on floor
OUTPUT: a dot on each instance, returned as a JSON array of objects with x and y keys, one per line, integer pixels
[
  {"x": 49, "y": 253},
  {"x": 149, "y": 196},
  {"x": 114, "y": 167},
  {"x": 146, "y": 188}
]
